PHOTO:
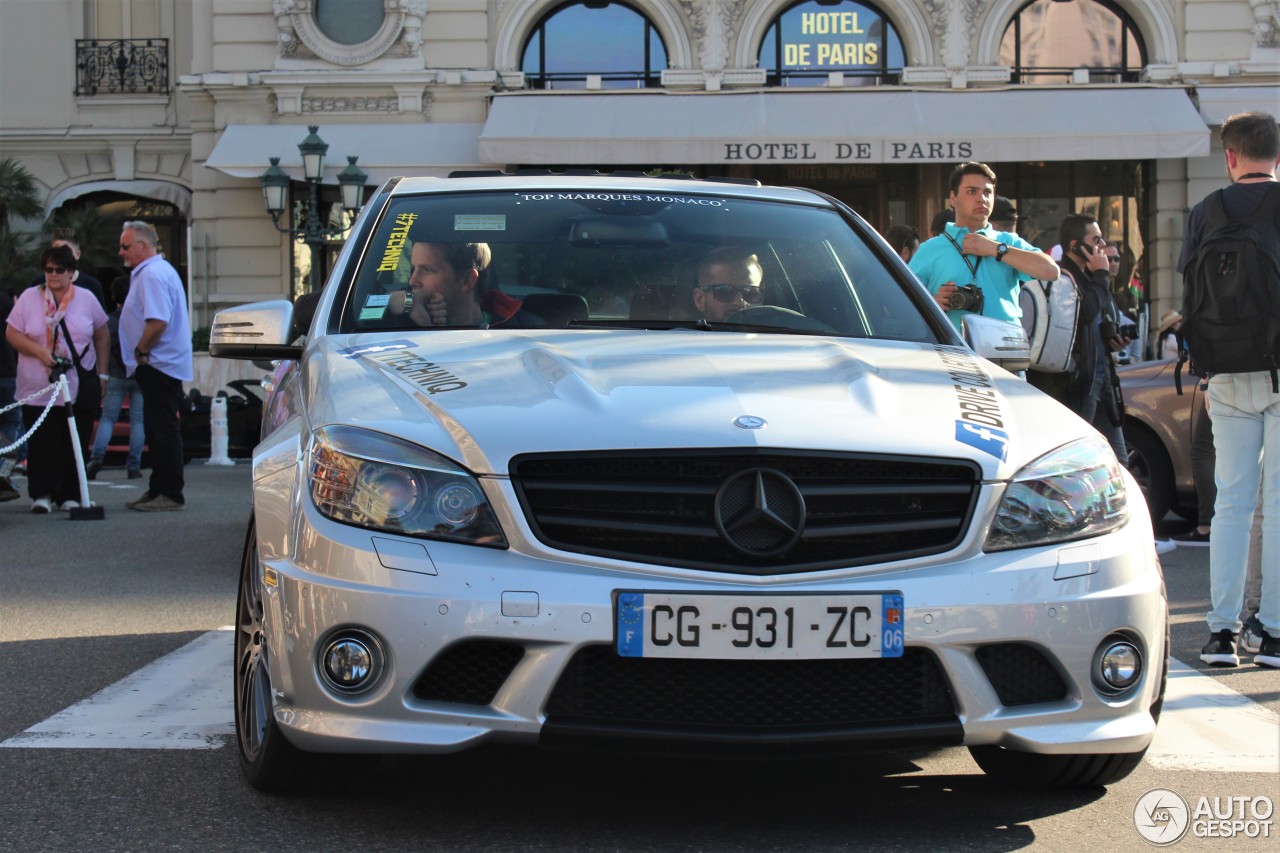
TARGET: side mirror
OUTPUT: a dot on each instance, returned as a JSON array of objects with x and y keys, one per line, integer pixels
[
  {"x": 260, "y": 330},
  {"x": 998, "y": 341}
]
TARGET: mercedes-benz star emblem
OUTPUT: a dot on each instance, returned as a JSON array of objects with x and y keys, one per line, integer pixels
[
  {"x": 750, "y": 422},
  {"x": 760, "y": 512}
]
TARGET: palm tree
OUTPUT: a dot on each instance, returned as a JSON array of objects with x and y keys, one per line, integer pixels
[
  {"x": 19, "y": 196},
  {"x": 20, "y": 199}
]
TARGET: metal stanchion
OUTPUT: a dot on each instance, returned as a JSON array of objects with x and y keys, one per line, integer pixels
[
  {"x": 86, "y": 511},
  {"x": 218, "y": 440}
]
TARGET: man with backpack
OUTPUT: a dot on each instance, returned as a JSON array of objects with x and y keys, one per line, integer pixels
[{"x": 1231, "y": 322}]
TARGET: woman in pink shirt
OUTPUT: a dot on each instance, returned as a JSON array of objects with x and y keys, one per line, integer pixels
[{"x": 40, "y": 324}]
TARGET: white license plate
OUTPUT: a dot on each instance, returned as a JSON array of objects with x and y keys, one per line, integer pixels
[{"x": 755, "y": 627}]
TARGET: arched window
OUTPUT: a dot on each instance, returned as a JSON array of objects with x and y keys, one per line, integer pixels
[
  {"x": 815, "y": 38},
  {"x": 349, "y": 21},
  {"x": 595, "y": 37},
  {"x": 1047, "y": 40}
]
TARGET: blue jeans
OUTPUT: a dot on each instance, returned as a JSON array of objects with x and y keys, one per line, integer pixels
[
  {"x": 1094, "y": 410},
  {"x": 1246, "y": 438},
  {"x": 117, "y": 390}
]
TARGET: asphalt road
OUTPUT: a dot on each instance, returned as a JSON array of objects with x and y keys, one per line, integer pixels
[{"x": 84, "y": 604}]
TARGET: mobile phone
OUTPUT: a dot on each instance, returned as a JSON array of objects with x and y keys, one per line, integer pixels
[{"x": 1085, "y": 247}]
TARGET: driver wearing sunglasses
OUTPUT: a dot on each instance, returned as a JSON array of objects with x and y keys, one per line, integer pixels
[{"x": 729, "y": 281}]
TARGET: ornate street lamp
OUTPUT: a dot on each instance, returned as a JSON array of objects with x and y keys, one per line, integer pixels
[{"x": 275, "y": 189}]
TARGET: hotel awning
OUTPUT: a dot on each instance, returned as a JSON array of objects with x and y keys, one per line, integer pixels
[
  {"x": 384, "y": 150},
  {"x": 166, "y": 191},
  {"x": 1217, "y": 104},
  {"x": 843, "y": 126}
]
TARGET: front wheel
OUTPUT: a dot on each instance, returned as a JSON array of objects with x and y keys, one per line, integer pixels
[
  {"x": 268, "y": 760},
  {"x": 1033, "y": 770}
]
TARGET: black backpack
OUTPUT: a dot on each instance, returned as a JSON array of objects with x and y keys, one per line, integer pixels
[{"x": 1231, "y": 291}]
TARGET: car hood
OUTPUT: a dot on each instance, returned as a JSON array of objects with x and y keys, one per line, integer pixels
[{"x": 482, "y": 397}]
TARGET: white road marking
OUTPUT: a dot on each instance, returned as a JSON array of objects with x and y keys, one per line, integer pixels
[
  {"x": 1206, "y": 725},
  {"x": 184, "y": 701}
]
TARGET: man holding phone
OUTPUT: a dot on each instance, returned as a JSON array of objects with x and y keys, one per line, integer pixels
[{"x": 1093, "y": 390}]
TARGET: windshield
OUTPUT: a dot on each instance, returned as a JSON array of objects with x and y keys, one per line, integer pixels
[{"x": 574, "y": 259}]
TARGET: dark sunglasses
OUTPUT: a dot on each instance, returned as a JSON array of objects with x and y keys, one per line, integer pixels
[
  {"x": 55, "y": 270},
  {"x": 728, "y": 293}
]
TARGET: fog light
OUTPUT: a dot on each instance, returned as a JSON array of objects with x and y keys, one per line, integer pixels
[
  {"x": 351, "y": 662},
  {"x": 1120, "y": 665}
]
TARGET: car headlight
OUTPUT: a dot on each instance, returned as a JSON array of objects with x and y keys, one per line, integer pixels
[
  {"x": 371, "y": 479},
  {"x": 1074, "y": 492}
]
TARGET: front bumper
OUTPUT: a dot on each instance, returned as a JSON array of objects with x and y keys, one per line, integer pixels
[{"x": 478, "y": 641}]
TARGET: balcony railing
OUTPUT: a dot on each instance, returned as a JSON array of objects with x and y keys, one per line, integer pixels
[{"x": 122, "y": 67}]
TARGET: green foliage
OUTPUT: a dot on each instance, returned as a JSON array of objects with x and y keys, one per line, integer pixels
[
  {"x": 19, "y": 196},
  {"x": 18, "y": 258},
  {"x": 200, "y": 339},
  {"x": 19, "y": 199}
]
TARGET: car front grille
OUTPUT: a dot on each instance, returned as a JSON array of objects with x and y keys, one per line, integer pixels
[
  {"x": 1020, "y": 674},
  {"x": 469, "y": 673},
  {"x": 754, "y": 512},
  {"x": 601, "y": 688}
]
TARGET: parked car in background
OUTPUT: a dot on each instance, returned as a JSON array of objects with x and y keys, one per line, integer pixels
[
  {"x": 813, "y": 519},
  {"x": 1157, "y": 434}
]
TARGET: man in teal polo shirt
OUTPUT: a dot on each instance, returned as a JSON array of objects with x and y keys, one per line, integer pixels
[{"x": 970, "y": 251}]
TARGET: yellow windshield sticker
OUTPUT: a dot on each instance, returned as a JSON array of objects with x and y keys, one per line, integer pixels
[{"x": 396, "y": 242}]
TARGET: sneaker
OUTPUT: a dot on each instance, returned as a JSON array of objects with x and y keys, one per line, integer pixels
[
  {"x": 1221, "y": 649},
  {"x": 133, "y": 504},
  {"x": 40, "y": 506},
  {"x": 1251, "y": 635},
  {"x": 1269, "y": 652},
  {"x": 92, "y": 467},
  {"x": 1193, "y": 537},
  {"x": 160, "y": 503},
  {"x": 135, "y": 474},
  {"x": 67, "y": 506},
  {"x": 1164, "y": 546}
]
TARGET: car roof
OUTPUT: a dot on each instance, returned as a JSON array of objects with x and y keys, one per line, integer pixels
[{"x": 727, "y": 187}]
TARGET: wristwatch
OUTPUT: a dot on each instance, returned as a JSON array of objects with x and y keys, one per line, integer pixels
[
  {"x": 1001, "y": 251},
  {"x": 104, "y": 376},
  {"x": 139, "y": 353},
  {"x": 408, "y": 303}
]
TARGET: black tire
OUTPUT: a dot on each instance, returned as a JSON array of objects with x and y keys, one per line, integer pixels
[
  {"x": 1158, "y": 704},
  {"x": 1150, "y": 466},
  {"x": 1033, "y": 770},
  {"x": 268, "y": 760}
]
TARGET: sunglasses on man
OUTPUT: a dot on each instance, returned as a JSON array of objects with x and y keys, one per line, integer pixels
[{"x": 729, "y": 292}]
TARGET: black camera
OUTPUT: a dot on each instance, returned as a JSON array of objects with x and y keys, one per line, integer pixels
[
  {"x": 967, "y": 297},
  {"x": 60, "y": 366},
  {"x": 1111, "y": 330}
]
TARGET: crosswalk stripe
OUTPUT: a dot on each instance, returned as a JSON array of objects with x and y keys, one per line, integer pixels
[
  {"x": 184, "y": 701},
  {"x": 181, "y": 701},
  {"x": 1206, "y": 725}
]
